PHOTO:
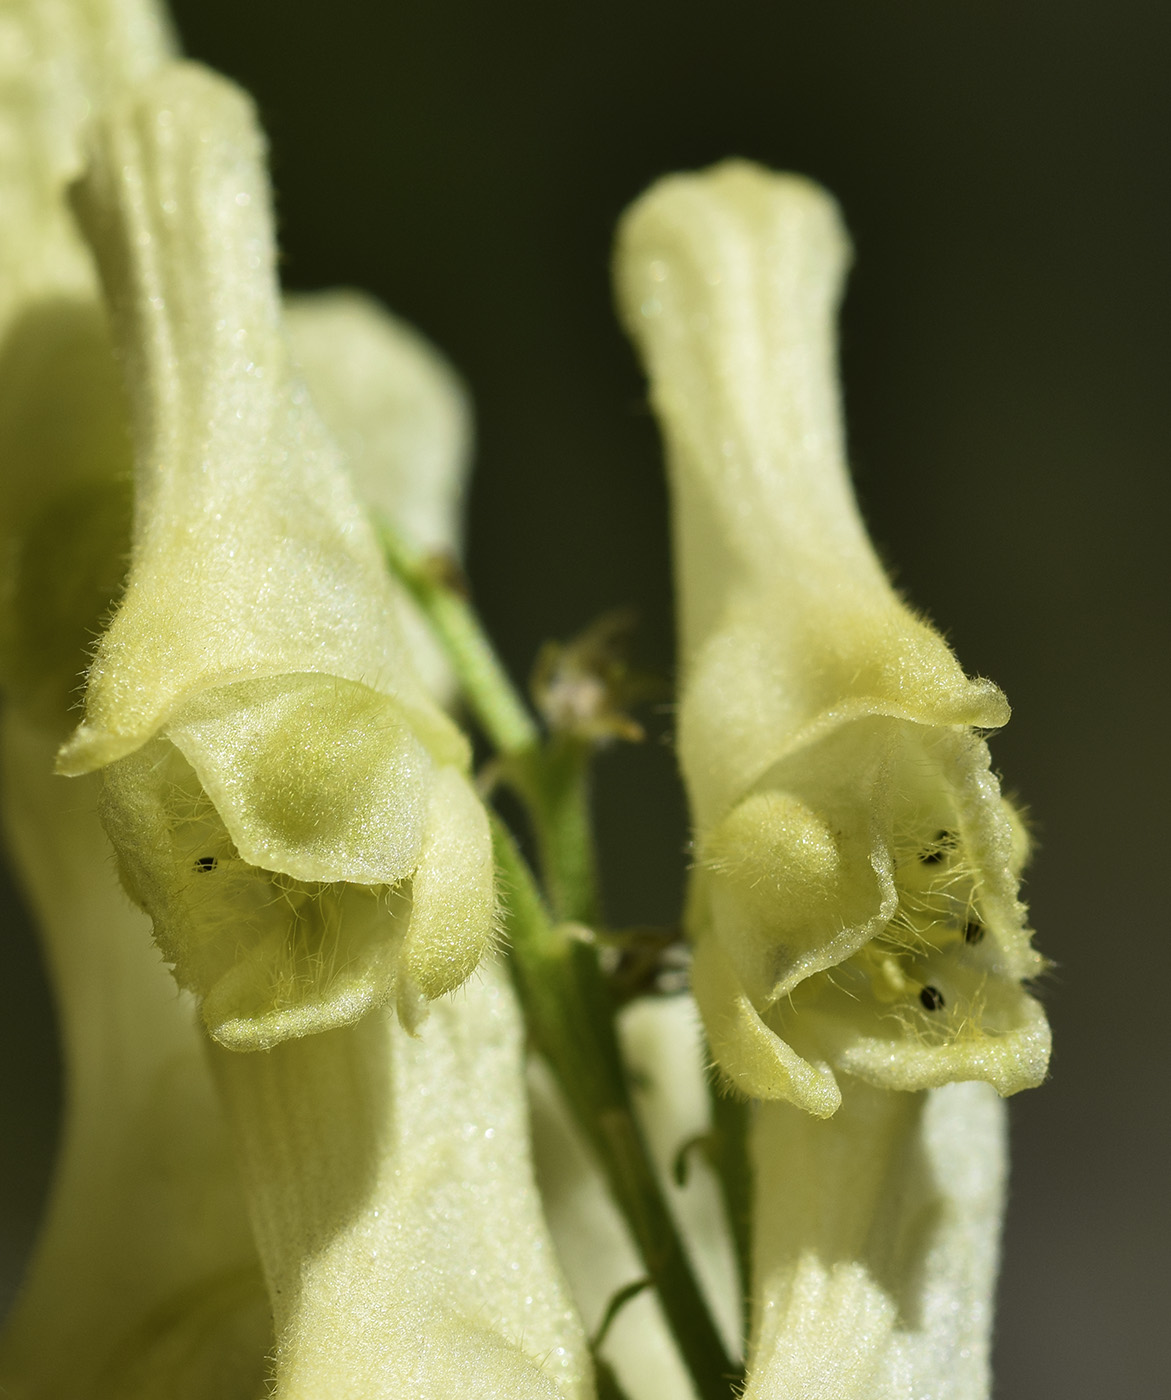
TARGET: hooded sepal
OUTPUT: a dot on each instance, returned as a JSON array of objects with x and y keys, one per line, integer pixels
[{"x": 275, "y": 765}]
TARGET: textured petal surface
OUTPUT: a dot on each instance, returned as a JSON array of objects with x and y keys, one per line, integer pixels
[
  {"x": 314, "y": 776},
  {"x": 397, "y": 1217},
  {"x": 60, "y": 61},
  {"x": 270, "y": 746},
  {"x": 447, "y": 935},
  {"x": 145, "y": 1281},
  {"x": 729, "y": 283},
  {"x": 757, "y": 1061},
  {"x": 403, "y": 420},
  {"x": 251, "y": 557},
  {"x": 394, "y": 406},
  {"x": 876, "y": 1246},
  {"x": 64, "y": 490}
]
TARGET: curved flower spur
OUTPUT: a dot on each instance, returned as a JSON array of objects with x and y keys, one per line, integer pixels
[
  {"x": 854, "y": 900},
  {"x": 287, "y": 802}
]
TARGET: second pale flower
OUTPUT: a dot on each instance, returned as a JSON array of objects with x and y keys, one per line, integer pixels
[{"x": 854, "y": 904}]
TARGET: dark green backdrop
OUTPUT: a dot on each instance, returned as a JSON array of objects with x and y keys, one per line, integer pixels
[{"x": 1003, "y": 168}]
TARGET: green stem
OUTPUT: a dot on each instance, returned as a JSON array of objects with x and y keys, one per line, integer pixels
[
  {"x": 569, "y": 1012},
  {"x": 729, "y": 1157},
  {"x": 554, "y": 783},
  {"x": 615, "y": 1306},
  {"x": 494, "y": 700},
  {"x": 606, "y": 1381},
  {"x": 568, "y": 1007}
]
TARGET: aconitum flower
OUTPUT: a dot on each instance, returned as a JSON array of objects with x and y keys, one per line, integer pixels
[
  {"x": 145, "y": 1277},
  {"x": 853, "y": 904},
  {"x": 401, "y": 1250},
  {"x": 311, "y": 1171},
  {"x": 288, "y": 802}
]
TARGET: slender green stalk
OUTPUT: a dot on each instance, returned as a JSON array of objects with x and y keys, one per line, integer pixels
[
  {"x": 554, "y": 783},
  {"x": 617, "y": 1303},
  {"x": 569, "y": 1012},
  {"x": 607, "y": 1382},
  {"x": 498, "y": 708},
  {"x": 729, "y": 1157}
]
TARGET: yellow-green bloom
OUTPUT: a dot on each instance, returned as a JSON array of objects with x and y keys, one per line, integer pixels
[
  {"x": 854, "y": 903},
  {"x": 402, "y": 1250},
  {"x": 395, "y": 1209},
  {"x": 291, "y": 804},
  {"x": 64, "y": 498},
  {"x": 60, "y": 60},
  {"x": 287, "y": 801},
  {"x": 145, "y": 1281},
  {"x": 860, "y": 945}
]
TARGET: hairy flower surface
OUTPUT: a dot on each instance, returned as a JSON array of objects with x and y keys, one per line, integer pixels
[
  {"x": 859, "y": 941},
  {"x": 876, "y": 1242},
  {"x": 396, "y": 1213},
  {"x": 287, "y": 801},
  {"x": 404, "y": 423},
  {"x": 854, "y": 903},
  {"x": 188, "y": 466},
  {"x": 60, "y": 60},
  {"x": 401, "y": 1249},
  {"x": 64, "y": 497},
  {"x": 145, "y": 1281}
]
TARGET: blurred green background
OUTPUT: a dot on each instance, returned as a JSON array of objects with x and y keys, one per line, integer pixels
[{"x": 1003, "y": 169}]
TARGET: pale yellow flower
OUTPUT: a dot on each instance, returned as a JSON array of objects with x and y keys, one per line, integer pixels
[
  {"x": 854, "y": 903},
  {"x": 288, "y": 802},
  {"x": 400, "y": 1248},
  {"x": 403, "y": 421}
]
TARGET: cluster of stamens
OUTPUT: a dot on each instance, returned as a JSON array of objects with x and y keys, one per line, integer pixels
[{"x": 936, "y": 914}]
